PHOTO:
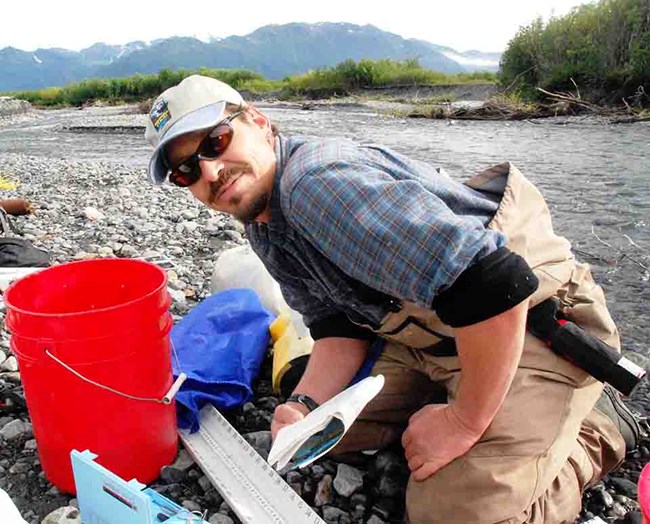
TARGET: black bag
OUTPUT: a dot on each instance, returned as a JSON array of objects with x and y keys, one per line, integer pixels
[{"x": 18, "y": 252}]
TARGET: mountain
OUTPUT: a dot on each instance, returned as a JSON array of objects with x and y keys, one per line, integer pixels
[{"x": 275, "y": 51}]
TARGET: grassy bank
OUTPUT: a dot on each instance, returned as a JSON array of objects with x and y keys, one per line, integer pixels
[{"x": 338, "y": 80}]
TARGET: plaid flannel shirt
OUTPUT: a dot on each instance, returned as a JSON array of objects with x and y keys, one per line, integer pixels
[{"x": 355, "y": 228}]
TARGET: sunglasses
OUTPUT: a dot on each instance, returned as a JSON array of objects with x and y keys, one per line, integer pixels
[{"x": 188, "y": 171}]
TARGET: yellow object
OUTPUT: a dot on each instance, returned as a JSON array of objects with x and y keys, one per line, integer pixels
[
  {"x": 279, "y": 325},
  {"x": 290, "y": 353},
  {"x": 6, "y": 183}
]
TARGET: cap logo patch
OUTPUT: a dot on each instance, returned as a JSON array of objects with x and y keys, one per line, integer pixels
[{"x": 160, "y": 114}]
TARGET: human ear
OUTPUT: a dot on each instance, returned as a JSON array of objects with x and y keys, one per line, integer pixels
[{"x": 259, "y": 119}]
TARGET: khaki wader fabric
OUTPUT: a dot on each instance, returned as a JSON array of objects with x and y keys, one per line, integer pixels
[{"x": 546, "y": 442}]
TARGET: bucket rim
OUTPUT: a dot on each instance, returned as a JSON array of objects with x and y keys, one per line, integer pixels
[{"x": 12, "y": 308}]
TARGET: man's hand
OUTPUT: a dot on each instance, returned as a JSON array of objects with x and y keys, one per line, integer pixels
[
  {"x": 489, "y": 354},
  {"x": 332, "y": 364},
  {"x": 435, "y": 436},
  {"x": 285, "y": 415}
]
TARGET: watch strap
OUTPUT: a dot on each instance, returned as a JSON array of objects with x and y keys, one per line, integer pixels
[{"x": 305, "y": 400}]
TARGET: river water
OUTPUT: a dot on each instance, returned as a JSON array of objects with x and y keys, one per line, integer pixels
[{"x": 595, "y": 177}]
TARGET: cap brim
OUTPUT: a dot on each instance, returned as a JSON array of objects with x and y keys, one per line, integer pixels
[{"x": 203, "y": 118}]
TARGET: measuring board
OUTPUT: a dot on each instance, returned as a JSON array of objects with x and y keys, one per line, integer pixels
[{"x": 252, "y": 488}]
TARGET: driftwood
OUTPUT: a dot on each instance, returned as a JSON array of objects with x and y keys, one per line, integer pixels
[
  {"x": 17, "y": 206},
  {"x": 556, "y": 104},
  {"x": 616, "y": 115},
  {"x": 493, "y": 109},
  {"x": 622, "y": 253},
  {"x": 630, "y": 119}
]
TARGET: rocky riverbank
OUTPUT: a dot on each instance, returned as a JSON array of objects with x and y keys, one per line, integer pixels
[{"x": 166, "y": 224}]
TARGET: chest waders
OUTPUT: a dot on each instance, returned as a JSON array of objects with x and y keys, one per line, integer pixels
[{"x": 560, "y": 312}]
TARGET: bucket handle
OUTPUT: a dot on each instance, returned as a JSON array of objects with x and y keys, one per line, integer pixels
[{"x": 166, "y": 399}]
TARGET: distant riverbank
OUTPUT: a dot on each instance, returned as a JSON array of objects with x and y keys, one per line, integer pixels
[
  {"x": 478, "y": 101},
  {"x": 393, "y": 93}
]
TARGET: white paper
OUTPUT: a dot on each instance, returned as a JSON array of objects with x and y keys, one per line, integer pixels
[{"x": 324, "y": 427}]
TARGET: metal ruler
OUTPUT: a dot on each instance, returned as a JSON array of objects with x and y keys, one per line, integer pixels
[{"x": 252, "y": 488}]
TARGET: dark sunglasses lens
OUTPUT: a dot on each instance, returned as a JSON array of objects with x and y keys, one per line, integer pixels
[
  {"x": 217, "y": 141},
  {"x": 212, "y": 146},
  {"x": 183, "y": 177}
]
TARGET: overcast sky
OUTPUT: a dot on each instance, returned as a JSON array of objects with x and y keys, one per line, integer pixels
[{"x": 460, "y": 24}]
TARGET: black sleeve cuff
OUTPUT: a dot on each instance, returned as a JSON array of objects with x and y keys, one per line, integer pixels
[
  {"x": 489, "y": 287},
  {"x": 339, "y": 325}
]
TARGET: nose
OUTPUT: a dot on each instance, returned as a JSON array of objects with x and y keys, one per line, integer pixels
[{"x": 211, "y": 168}]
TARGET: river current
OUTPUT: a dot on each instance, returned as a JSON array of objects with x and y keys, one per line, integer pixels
[{"x": 595, "y": 177}]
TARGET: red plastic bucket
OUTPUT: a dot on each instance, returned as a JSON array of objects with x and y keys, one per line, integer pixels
[
  {"x": 105, "y": 321},
  {"x": 644, "y": 493}
]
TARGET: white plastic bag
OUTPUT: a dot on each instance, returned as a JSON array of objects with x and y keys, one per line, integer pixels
[
  {"x": 240, "y": 267},
  {"x": 9, "y": 513}
]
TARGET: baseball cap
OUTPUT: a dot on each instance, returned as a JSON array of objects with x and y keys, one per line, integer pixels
[{"x": 196, "y": 104}]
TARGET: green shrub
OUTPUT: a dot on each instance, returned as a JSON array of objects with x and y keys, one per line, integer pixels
[
  {"x": 605, "y": 45},
  {"x": 350, "y": 75},
  {"x": 340, "y": 79}
]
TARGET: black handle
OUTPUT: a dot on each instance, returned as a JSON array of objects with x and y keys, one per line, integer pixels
[
  {"x": 598, "y": 359},
  {"x": 589, "y": 353}
]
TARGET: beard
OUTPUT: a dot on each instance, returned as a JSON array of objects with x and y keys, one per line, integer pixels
[{"x": 252, "y": 209}]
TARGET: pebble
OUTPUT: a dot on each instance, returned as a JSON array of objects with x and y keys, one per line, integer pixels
[
  {"x": 13, "y": 377},
  {"x": 183, "y": 461},
  {"x": 19, "y": 467},
  {"x": 213, "y": 498},
  {"x": 624, "y": 487},
  {"x": 172, "y": 475},
  {"x": 616, "y": 511},
  {"x": 333, "y": 514},
  {"x": 317, "y": 472},
  {"x": 220, "y": 518},
  {"x": 66, "y": 514},
  {"x": 324, "y": 493},
  {"x": 259, "y": 440},
  {"x": 347, "y": 480},
  {"x": 190, "y": 505},
  {"x": 178, "y": 296},
  {"x": 11, "y": 364},
  {"x": 14, "y": 429},
  {"x": 633, "y": 517},
  {"x": 205, "y": 483},
  {"x": 165, "y": 225}
]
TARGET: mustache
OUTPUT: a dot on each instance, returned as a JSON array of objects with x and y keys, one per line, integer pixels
[{"x": 226, "y": 176}]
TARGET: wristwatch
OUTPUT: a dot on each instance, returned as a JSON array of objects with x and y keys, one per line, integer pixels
[{"x": 305, "y": 400}]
